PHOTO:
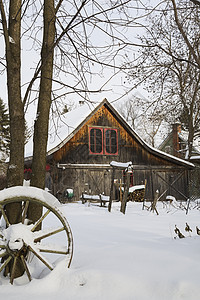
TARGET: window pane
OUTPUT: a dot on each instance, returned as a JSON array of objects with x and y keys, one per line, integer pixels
[
  {"x": 92, "y": 140},
  {"x": 111, "y": 141},
  {"x": 96, "y": 140},
  {"x": 108, "y": 141}
]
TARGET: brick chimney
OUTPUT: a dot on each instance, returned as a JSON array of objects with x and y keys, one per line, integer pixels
[{"x": 176, "y": 129}]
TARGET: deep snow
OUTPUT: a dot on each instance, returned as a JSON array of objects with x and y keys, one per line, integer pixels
[{"x": 122, "y": 257}]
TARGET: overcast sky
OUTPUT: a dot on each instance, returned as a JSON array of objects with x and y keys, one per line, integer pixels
[{"x": 114, "y": 89}]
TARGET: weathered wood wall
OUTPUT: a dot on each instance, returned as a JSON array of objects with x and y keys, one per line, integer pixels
[{"x": 98, "y": 179}]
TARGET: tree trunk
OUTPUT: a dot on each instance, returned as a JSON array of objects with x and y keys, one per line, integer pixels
[
  {"x": 15, "y": 173},
  {"x": 16, "y": 111},
  {"x": 44, "y": 103}
]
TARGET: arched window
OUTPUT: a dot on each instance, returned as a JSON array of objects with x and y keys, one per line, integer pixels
[
  {"x": 103, "y": 141},
  {"x": 111, "y": 141},
  {"x": 96, "y": 140}
]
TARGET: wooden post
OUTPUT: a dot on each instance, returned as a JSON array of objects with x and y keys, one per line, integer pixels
[
  {"x": 120, "y": 191},
  {"x": 111, "y": 190},
  {"x": 153, "y": 206},
  {"x": 145, "y": 184},
  {"x": 126, "y": 190}
]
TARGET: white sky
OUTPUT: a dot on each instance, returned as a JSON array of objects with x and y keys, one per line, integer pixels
[{"x": 114, "y": 89}]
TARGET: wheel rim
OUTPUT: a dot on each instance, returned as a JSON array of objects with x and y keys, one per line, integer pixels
[{"x": 19, "y": 241}]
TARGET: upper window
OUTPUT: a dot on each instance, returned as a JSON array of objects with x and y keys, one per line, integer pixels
[
  {"x": 111, "y": 143},
  {"x": 96, "y": 140},
  {"x": 103, "y": 141}
]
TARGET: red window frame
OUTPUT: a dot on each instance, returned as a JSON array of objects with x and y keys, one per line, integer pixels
[
  {"x": 103, "y": 138},
  {"x": 110, "y": 142},
  {"x": 95, "y": 142}
]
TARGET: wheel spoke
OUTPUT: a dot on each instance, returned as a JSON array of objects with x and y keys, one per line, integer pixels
[
  {"x": 53, "y": 249},
  {"x": 47, "y": 234},
  {"x": 13, "y": 270},
  {"x": 43, "y": 260},
  {"x": 3, "y": 254},
  {"x": 26, "y": 267},
  {"x": 5, "y": 263},
  {"x": 25, "y": 211},
  {"x": 40, "y": 220},
  {"x": 1, "y": 234},
  {"x": 4, "y": 215},
  {"x": 2, "y": 246}
]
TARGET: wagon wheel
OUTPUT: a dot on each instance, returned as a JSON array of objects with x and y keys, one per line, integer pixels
[{"x": 22, "y": 242}]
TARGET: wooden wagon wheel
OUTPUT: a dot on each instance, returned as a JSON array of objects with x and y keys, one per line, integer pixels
[{"x": 20, "y": 241}]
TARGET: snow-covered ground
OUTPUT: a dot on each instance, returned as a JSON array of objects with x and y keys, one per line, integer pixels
[{"x": 122, "y": 257}]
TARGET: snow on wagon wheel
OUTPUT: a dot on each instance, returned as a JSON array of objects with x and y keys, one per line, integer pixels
[{"x": 38, "y": 251}]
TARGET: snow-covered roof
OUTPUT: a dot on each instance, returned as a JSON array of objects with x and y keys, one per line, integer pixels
[
  {"x": 69, "y": 123},
  {"x": 62, "y": 128}
]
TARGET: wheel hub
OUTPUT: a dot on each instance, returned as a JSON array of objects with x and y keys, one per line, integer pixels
[
  {"x": 16, "y": 237},
  {"x": 16, "y": 245}
]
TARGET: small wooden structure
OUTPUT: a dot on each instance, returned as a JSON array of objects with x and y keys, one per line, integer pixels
[
  {"x": 89, "y": 139},
  {"x": 125, "y": 167}
]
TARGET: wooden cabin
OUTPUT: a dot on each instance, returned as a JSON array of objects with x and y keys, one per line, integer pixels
[{"x": 88, "y": 140}]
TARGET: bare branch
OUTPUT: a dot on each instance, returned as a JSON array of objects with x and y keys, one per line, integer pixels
[
  {"x": 180, "y": 27},
  {"x": 196, "y": 2}
]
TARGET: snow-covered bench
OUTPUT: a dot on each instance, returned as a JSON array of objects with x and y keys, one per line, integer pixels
[{"x": 102, "y": 199}]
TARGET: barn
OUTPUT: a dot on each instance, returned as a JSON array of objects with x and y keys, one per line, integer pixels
[{"x": 86, "y": 142}]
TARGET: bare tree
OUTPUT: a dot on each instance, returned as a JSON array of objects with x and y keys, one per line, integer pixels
[
  {"x": 168, "y": 64},
  {"x": 143, "y": 116},
  {"x": 131, "y": 110},
  {"x": 178, "y": 8},
  {"x": 196, "y": 2},
  {"x": 71, "y": 40}
]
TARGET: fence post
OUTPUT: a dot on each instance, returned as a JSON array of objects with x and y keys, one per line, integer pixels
[
  {"x": 126, "y": 190},
  {"x": 111, "y": 190}
]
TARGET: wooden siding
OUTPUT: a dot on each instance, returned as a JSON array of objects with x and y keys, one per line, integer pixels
[
  {"x": 146, "y": 165},
  {"x": 77, "y": 149},
  {"x": 98, "y": 180}
]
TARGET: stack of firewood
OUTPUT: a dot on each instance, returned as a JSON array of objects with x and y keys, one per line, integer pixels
[{"x": 137, "y": 195}]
